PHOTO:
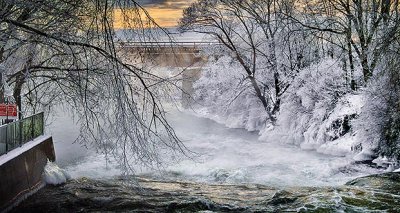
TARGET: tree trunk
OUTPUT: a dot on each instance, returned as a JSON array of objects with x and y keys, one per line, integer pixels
[
  {"x": 277, "y": 103},
  {"x": 17, "y": 95},
  {"x": 365, "y": 67},
  {"x": 1, "y": 89},
  {"x": 350, "y": 56},
  {"x": 261, "y": 97},
  {"x": 257, "y": 89}
]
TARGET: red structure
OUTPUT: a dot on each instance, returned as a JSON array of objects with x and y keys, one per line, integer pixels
[{"x": 8, "y": 111}]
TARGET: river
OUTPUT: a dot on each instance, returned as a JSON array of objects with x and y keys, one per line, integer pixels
[
  {"x": 221, "y": 155},
  {"x": 231, "y": 170}
]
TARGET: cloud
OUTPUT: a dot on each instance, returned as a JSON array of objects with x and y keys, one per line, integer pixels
[
  {"x": 149, "y": 2},
  {"x": 165, "y": 4},
  {"x": 165, "y": 12}
]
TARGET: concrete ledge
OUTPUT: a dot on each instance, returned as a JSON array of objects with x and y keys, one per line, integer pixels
[{"x": 21, "y": 169}]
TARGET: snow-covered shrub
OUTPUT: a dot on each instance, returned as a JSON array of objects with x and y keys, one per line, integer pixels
[
  {"x": 224, "y": 95},
  {"x": 378, "y": 127},
  {"x": 317, "y": 109}
]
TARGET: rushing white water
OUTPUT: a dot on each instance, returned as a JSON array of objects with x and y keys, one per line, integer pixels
[
  {"x": 54, "y": 175},
  {"x": 223, "y": 156}
]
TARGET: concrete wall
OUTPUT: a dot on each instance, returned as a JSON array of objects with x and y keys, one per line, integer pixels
[{"x": 23, "y": 173}]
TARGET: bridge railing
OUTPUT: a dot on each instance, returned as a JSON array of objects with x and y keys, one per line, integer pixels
[
  {"x": 155, "y": 44},
  {"x": 17, "y": 133}
]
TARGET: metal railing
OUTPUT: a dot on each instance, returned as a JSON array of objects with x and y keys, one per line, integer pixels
[
  {"x": 144, "y": 44},
  {"x": 17, "y": 133}
]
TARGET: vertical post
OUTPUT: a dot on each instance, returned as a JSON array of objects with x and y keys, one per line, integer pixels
[
  {"x": 6, "y": 110},
  {"x": 2, "y": 70},
  {"x": 19, "y": 107},
  {"x": 32, "y": 127},
  {"x": 6, "y": 127},
  {"x": 42, "y": 122},
  {"x": 20, "y": 132},
  {"x": 14, "y": 135}
]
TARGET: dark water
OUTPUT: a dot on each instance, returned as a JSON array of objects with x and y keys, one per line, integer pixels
[{"x": 377, "y": 193}]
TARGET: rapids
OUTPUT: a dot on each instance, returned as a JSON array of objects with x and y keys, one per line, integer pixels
[
  {"x": 232, "y": 171},
  {"x": 379, "y": 193},
  {"x": 222, "y": 155}
]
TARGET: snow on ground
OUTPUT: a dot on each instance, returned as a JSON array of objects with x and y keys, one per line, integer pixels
[
  {"x": 319, "y": 136},
  {"x": 364, "y": 155},
  {"x": 340, "y": 147}
]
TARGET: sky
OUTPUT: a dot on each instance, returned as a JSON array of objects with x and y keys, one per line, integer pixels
[
  {"x": 165, "y": 12},
  {"x": 165, "y": 4}
]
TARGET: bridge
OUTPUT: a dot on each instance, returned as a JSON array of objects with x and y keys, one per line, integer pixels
[
  {"x": 161, "y": 45},
  {"x": 185, "y": 55},
  {"x": 167, "y": 54}
]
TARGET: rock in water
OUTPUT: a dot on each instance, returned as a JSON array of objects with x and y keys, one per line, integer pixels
[{"x": 388, "y": 182}]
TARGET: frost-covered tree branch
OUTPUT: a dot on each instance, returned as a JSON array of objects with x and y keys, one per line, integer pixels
[
  {"x": 66, "y": 53},
  {"x": 322, "y": 71},
  {"x": 259, "y": 37}
]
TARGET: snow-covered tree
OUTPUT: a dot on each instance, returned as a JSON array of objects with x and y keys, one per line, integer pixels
[
  {"x": 378, "y": 125},
  {"x": 267, "y": 45},
  {"x": 324, "y": 70},
  {"x": 363, "y": 29}
]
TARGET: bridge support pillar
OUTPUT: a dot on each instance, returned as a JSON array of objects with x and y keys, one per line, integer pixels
[{"x": 189, "y": 77}]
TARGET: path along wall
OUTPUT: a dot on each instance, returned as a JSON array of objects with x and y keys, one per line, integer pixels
[{"x": 21, "y": 170}]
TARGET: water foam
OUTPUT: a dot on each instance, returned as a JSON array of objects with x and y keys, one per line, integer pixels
[
  {"x": 234, "y": 156},
  {"x": 54, "y": 175}
]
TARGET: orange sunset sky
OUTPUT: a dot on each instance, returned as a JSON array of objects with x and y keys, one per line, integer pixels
[{"x": 165, "y": 12}]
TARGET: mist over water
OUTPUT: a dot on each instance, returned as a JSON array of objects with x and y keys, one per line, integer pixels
[
  {"x": 237, "y": 156},
  {"x": 221, "y": 155},
  {"x": 77, "y": 159},
  {"x": 65, "y": 131}
]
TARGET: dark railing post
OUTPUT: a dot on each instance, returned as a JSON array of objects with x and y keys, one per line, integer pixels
[
  {"x": 21, "y": 127},
  {"x": 13, "y": 135},
  {"x": 6, "y": 127},
  {"x": 21, "y": 131},
  {"x": 42, "y": 122},
  {"x": 33, "y": 127}
]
